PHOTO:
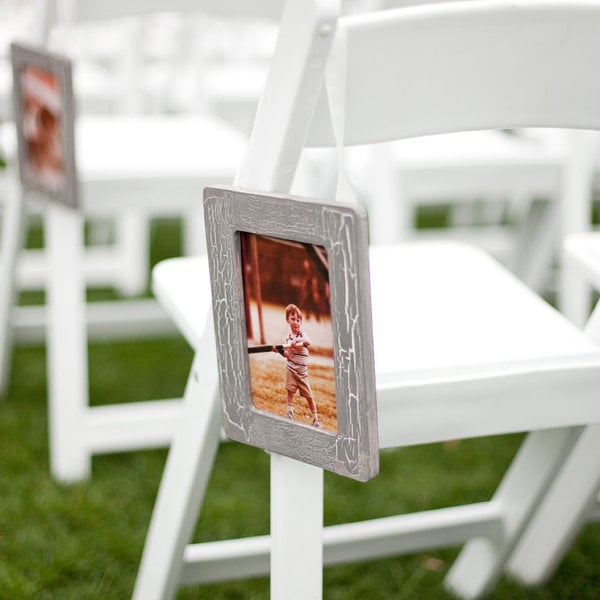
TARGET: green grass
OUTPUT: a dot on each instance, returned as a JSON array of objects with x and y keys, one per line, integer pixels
[{"x": 84, "y": 541}]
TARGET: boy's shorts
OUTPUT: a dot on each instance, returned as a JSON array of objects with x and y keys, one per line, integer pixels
[{"x": 295, "y": 382}]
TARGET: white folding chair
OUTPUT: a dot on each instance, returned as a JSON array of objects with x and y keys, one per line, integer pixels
[
  {"x": 156, "y": 163},
  {"x": 123, "y": 264},
  {"x": 574, "y": 498},
  {"x": 462, "y": 348},
  {"x": 149, "y": 146}
]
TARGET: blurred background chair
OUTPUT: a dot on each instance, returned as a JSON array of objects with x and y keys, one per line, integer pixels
[
  {"x": 462, "y": 347},
  {"x": 119, "y": 54},
  {"x": 131, "y": 166},
  {"x": 501, "y": 190},
  {"x": 574, "y": 498}
]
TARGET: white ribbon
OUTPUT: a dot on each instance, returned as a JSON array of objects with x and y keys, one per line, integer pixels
[{"x": 335, "y": 80}]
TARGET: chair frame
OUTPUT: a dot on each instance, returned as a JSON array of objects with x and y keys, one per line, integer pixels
[{"x": 490, "y": 529}]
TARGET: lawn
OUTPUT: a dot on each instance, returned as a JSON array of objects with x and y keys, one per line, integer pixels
[{"x": 84, "y": 541}]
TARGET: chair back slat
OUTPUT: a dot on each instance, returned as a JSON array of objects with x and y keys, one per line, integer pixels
[
  {"x": 95, "y": 10},
  {"x": 462, "y": 70}
]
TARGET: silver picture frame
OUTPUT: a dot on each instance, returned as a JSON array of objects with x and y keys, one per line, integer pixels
[
  {"x": 334, "y": 237},
  {"x": 44, "y": 116}
]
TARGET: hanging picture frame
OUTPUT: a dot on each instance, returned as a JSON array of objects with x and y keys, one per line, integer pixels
[
  {"x": 44, "y": 117},
  {"x": 291, "y": 305}
]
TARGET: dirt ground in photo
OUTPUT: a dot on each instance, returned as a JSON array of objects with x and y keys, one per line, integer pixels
[{"x": 267, "y": 376}]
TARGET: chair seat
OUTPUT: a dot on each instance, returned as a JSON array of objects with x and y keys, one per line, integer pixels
[
  {"x": 487, "y": 164},
  {"x": 455, "y": 301},
  {"x": 443, "y": 312},
  {"x": 156, "y": 145},
  {"x": 166, "y": 160},
  {"x": 480, "y": 148},
  {"x": 497, "y": 164},
  {"x": 130, "y": 152}
]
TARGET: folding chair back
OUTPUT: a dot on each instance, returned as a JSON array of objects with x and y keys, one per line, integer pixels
[
  {"x": 466, "y": 75},
  {"x": 462, "y": 348}
]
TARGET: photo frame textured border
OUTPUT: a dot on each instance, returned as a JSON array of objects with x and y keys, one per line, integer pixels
[
  {"x": 342, "y": 229},
  {"x": 60, "y": 66}
]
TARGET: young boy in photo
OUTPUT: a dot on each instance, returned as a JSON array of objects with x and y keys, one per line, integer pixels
[{"x": 296, "y": 351}]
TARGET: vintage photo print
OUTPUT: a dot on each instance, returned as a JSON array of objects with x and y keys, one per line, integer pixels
[
  {"x": 43, "y": 103},
  {"x": 291, "y": 306},
  {"x": 288, "y": 323}
]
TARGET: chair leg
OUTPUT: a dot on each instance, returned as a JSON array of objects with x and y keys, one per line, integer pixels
[
  {"x": 481, "y": 561},
  {"x": 396, "y": 220},
  {"x": 13, "y": 225},
  {"x": 184, "y": 482},
  {"x": 132, "y": 237},
  {"x": 66, "y": 345},
  {"x": 575, "y": 297},
  {"x": 561, "y": 514},
  {"x": 296, "y": 530},
  {"x": 535, "y": 244},
  {"x": 574, "y": 214}
]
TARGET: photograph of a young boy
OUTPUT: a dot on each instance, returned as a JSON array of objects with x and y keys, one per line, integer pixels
[
  {"x": 301, "y": 385},
  {"x": 296, "y": 351}
]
